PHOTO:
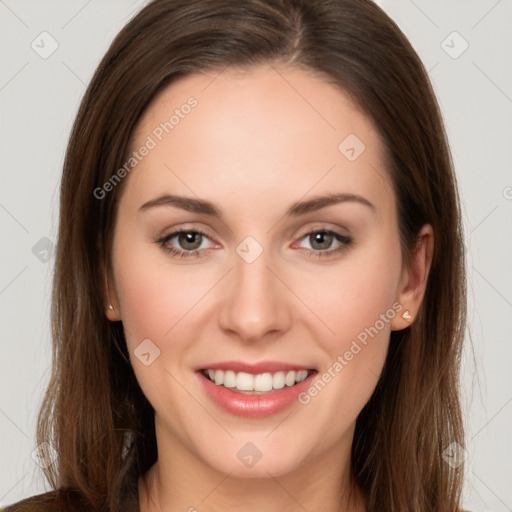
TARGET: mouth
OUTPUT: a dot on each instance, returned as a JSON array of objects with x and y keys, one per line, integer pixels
[
  {"x": 255, "y": 391},
  {"x": 256, "y": 384}
]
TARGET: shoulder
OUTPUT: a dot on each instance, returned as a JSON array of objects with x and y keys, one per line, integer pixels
[{"x": 62, "y": 500}]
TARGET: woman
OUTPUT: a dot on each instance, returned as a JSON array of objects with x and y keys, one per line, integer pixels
[{"x": 259, "y": 296}]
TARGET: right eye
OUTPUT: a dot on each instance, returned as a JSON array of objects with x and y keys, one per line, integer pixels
[{"x": 184, "y": 243}]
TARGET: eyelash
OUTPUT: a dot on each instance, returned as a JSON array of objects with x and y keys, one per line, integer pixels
[
  {"x": 178, "y": 253},
  {"x": 345, "y": 242}
]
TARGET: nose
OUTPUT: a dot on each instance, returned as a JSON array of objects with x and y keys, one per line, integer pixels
[{"x": 255, "y": 304}]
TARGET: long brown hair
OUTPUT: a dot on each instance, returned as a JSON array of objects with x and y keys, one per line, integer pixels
[{"x": 94, "y": 413}]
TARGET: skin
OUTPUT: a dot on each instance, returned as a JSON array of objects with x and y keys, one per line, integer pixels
[{"x": 258, "y": 141}]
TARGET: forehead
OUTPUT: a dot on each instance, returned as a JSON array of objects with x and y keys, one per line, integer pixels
[{"x": 263, "y": 132}]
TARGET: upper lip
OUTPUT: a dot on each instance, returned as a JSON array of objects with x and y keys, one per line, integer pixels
[{"x": 254, "y": 368}]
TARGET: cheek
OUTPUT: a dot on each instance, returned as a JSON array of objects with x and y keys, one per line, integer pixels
[
  {"x": 155, "y": 295},
  {"x": 157, "y": 301},
  {"x": 357, "y": 295},
  {"x": 357, "y": 302}
]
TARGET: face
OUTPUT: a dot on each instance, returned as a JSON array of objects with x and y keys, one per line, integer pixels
[{"x": 257, "y": 245}]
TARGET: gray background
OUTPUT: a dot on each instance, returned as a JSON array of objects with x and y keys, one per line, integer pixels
[{"x": 39, "y": 98}]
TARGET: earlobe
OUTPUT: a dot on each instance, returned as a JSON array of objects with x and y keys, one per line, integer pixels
[
  {"x": 111, "y": 310},
  {"x": 111, "y": 314},
  {"x": 414, "y": 279},
  {"x": 402, "y": 320},
  {"x": 407, "y": 316}
]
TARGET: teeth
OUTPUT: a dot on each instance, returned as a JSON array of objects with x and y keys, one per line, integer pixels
[
  {"x": 219, "y": 377},
  {"x": 278, "y": 380},
  {"x": 230, "y": 379},
  {"x": 289, "y": 380},
  {"x": 301, "y": 375},
  {"x": 243, "y": 381},
  {"x": 263, "y": 382}
]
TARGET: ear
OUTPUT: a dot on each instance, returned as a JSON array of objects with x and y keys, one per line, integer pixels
[
  {"x": 111, "y": 302},
  {"x": 413, "y": 281}
]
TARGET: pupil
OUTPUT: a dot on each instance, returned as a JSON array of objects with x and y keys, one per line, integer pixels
[
  {"x": 190, "y": 240},
  {"x": 321, "y": 241}
]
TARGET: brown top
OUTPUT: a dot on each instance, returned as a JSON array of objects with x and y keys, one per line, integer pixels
[
  {"x": 64, "y": 500},
  {"x": 51, "y": 501}
]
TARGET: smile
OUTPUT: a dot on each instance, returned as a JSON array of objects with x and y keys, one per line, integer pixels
[
  {"x": 261, "y": 382},
  {"x": 254, "y": 391}
]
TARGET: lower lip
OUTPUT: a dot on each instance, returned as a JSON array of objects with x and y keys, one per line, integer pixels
[{"x": 254, "y": 406}]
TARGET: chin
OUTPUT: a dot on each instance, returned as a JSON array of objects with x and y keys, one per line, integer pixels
[{"x": 258, "y": 458}]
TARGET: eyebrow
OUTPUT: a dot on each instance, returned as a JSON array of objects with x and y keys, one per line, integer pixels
[{"x": 299, "y": 208}]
